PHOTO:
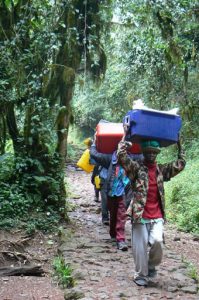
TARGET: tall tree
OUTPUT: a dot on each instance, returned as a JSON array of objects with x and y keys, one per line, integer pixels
[
  {"x": 43, "y": 45},
  {"x": 153, "y": 55}
]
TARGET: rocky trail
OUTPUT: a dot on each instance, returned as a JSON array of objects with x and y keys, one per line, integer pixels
[
  {"x": 99, "y": 269},
  {"x": 102, "y": 271}
]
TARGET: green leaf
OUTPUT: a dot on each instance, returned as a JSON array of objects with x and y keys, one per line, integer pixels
[
  {"x": 11, "y": 3},
  {"x": 8, "y": 4},
  {"x": 40, "y": 179},
  {"x": 16, "y": 2}
]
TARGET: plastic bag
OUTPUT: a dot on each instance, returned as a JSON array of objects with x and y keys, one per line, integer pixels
[
  {"x": 97, "y": 182},
  {"x": 139, "y": 104},
  {"x": 84, "y": 162}
]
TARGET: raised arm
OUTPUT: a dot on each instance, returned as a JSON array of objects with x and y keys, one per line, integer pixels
[
  {"x": 181, "y": 154},
  {"x": 172, "y": 169},
  {"x": 131, "y": 167},
  {"x": 101, "y": 158}
]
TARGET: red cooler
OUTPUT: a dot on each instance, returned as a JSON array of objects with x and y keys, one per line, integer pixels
[{"x": 108, "y": 135}]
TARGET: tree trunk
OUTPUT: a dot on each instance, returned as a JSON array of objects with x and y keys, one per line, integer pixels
[
  {"x": 2, "y": 134},
  {"x": 24, "y": 270},
  {"x": 13, "y": 129},
  {"x": 185, "y": 96},
  {"x": 61, "y": 85}
]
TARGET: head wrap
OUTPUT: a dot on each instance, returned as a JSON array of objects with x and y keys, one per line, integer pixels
[
  {"x": 88, "y": 142},
  {"x": 150, "y": 146}
]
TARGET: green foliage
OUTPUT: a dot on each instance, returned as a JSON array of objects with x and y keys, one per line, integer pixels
[
  {"x": 152, "y": 54},
  {"x": 6, "y": 166},
  {"x": 76, "y": 137},
  {"x": 47, "y": 221},
  {"x": 63, "y": 272},
  {"x": 89, "y": 108},
  {"x": 32, "y": 177},
  {"x": 13, "y": 201},
  {"x": 73, "y": 151},
  {"x": 192, "y": 148},
  {"x": 42, "y": 46},
  {"x": 182, "y": 198},
  {"x": 31, "y": 201},
  {"x": 182, "y": 191},
  {"x": 45, "y": 186},
  {"x": 191, "y": 270}
]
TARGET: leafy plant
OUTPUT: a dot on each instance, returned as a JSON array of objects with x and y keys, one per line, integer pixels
[
  {"x": 21, "y": 203},
  {"x": 192, "y": 272},
  {"x": 182, "y": 198},
  {"x": 191, "y": 269},
  {"x": 63, "y": 272}
]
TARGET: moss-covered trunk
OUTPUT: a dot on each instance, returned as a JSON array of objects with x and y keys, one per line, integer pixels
[
  {"x": 61, "y": 85},
  {"x": 2, "y": 134},
  {"x": 13, "y": 129}
]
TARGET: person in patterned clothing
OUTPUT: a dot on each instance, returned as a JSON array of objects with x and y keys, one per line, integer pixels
[{"x": 147, "y": 207}]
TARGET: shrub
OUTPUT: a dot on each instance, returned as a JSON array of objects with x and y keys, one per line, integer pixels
[
  {"x": 26, "y": 200},
  {"x": 63, "y": 272},
  {"x": 182, "y": 198}
]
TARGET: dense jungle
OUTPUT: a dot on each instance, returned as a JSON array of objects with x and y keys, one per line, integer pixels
[{"x": 67, "y": 64}]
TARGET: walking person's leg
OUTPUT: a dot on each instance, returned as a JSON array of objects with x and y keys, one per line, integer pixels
[
  {"x": 104, "y": 206},
  {"x": 120, "y": 224},
  {"x": 96, "y": 194},
  {"x": 112, "y": 206},
  {"x": 140, "y": 238},
  {"x": 156, "y": 243}
]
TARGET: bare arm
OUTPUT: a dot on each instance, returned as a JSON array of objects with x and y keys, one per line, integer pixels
[
  {"x": 124, "y": 160},
  {"x": 172, "y": 169}
]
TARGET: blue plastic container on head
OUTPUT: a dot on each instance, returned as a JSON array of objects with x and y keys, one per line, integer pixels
[{"x": 153, "y": 125}]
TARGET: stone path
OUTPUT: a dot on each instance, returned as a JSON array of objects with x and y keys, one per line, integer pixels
[{"x": 103, "y": 272}]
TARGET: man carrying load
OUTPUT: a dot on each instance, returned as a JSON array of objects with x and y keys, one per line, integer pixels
[{"x": 147, "y": 206}]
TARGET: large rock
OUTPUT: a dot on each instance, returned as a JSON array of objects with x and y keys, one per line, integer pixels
[{"x": 73, "y": 294}]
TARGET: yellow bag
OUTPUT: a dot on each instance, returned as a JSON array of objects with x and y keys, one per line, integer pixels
[
  {"x": 97, "y": 182},
  {"x": 84, "y": 163}
]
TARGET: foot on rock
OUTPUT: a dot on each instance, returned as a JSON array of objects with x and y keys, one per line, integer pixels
[
  {"x": 141, "y": 281},
  {"x": 122, "y": 246}
]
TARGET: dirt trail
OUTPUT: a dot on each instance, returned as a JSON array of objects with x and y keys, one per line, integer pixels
[
  {"x": 18, "y": 249},
  {"x": 103, "y": 272},
  {"x": 100, "y": 270}
]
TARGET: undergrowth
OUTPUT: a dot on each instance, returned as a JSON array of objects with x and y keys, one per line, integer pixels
[
  {"x": 182, "y": 196},
  {"x": 22, "y": 204},
  {"x": 191, "y": 269},
  {"x": 63, "y": 272}
]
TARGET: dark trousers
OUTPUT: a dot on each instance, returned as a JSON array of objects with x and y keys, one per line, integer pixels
[
  {"x": 104, "y": 207},
  {"x": 117, "y": 211},
  {"x": 97, "y": 191}
]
